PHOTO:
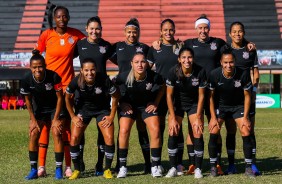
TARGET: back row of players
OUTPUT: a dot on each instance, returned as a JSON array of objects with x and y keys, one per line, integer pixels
[{"x": 203, "y": 72}]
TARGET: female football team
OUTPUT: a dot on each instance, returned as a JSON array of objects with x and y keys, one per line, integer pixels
[{"x": 204, "y": 75}]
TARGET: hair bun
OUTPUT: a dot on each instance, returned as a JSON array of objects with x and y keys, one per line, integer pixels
[{"x": 35, "y": 52}]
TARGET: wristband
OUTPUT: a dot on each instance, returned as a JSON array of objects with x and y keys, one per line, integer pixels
[{"x": 254, "y": 89}]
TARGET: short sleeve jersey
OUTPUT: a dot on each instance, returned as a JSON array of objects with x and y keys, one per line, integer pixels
[
  {"x": 93, "y": 97},
  {"x": 123, "y": 54},
  {"x": 186, "y": 90},
  {"x": 245, "y": 59},
  {"x": 164, "y": 59},
  {"x": 230, "y": 91},
  {"x": 44, "y": 98},
  {"x": 141, "y": 92},
  {"x": 60, "y": 51},
  {"x": 99, "y": 52},
  {"x": 206, "y": 55}
]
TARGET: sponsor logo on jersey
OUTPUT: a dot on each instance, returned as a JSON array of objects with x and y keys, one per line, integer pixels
[
  {"x": 176, "y": 52},
  {"x": 213, "y": 46},
  {"x": 149, "y": 86},
  {"x": 195, "y": 82},
  {"x": 246, "y": 55},
  {"x": 102, "y": 49},
  {"x": 62, "y": 41},
  {"x": 98, "y": 90},
  {"x": 70, "y": 40},
  {"x": 48, "y": 86},
  {"x": 237, "y": 83},
  {"x": 139, "y": 49}
]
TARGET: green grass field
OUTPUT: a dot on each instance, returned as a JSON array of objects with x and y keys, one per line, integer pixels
[{"x": 14, "y": 162}]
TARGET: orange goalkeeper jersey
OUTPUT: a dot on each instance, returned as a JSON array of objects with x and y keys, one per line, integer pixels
[{"x": 60, "y": 52}]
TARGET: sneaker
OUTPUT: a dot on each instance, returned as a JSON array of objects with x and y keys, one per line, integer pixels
[
  {"x": 255, "y": 170},
  {"x": 59, "y": 173},
  {"x": 122, "y": 172},
  {"x": 171, "y": 173},
  {"x": 161, "y": 169},
  {"x": 219, "y": 170},
  {"x": 214, "y": 172},
  {"x": 180, "y": 169},
  {"x": 98, "y": 170},
  {"x": 190, "y": 170},
  {"x": 32, "y": 174},
  {"x": 68, "y": 171},
  {"x": 147, "y": 168},
  {"x": 198, "y": 173},
  {"x": 231, "y": 170},
  {"x": 156, "y": 171},
  {"x": 41, "y": 171},
  {"x": 75, "y": 175},
  {"x": 82, "y": 166},
  {"x": 108, "y": 174},
  {"x": 249, "y": 172}
]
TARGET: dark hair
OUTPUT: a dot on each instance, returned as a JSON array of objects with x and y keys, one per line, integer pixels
[
  {"x": 178, "y": 69},
  {"x": 133, "y": 22},
  {"x": 37, "y": 56},
  {"x": 94, "y": 19},
  {"x": 81, "y": 80},
  {"x": 203, "y": 16},
  {"x": 237, "y": 23},
  {"x": 226, "y": 50},
  {"x": 167, "y": 20},
  {"x": 52, "y": 11}
]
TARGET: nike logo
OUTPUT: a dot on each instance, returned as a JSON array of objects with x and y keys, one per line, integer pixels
[
  {"x": 194, "y": 46},
  {"x": 242, "y": 113},
  {"x": 220, "y": 83},
  {"x": 121, "y": 49},
  {"x": 83, "y": 48},
  {"x": 158, "y": 51},
  {"x": 31, "y": 87}
]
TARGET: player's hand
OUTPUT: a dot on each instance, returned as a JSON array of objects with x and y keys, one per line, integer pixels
[
  {"x": 126, "y": 108},
  {"x": 213, "y": 124},
  {"x": 33, "y": 124},
  {"x": 77, "y": 120},
  {"x": 173, "y": 127},
  {"x": 156, "y": 45},
  {"x": 58, "y": 125},
  {"x": 246, "y": 123},
  {"x": 198, "y": 126},
  {"x": 251, "y": 46},
  {"x": 107, "y": 121},
  {"x": 151, "y": 107}
]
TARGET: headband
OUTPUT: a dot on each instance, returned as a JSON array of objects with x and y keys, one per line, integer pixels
[
  {"x": 202, "y": 21},
  {"x": 132, "y": 26}
]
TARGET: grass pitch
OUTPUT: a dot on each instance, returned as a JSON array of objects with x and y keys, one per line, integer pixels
[{"x": 14, "y": 162}]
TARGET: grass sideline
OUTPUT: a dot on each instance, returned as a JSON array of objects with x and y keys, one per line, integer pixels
[{"x": 14, "y": 161}]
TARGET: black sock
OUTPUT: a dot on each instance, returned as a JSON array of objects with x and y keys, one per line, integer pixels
[
  {"x": 247, "y": 147},
  {"x": 199, "y": 152},
  {"x": 33, "y": 157},
  {"x": 213, "y": 149},
  {"x": 172, "y": 150},
  {"x": 254, "y": 149},
  {"x": 109, "y": 153},
  {"x": 191, "y": 154},
  {"x": 156, "y": 152},
  {"x": 180, "y": 147},
  {"x": 59, "y": 157},
  {"x": 81, "y": 147},
  {"x": 122, "y": 157},
  {"x": 145, "y": 145},
  {"x": 75, "y": 156},
  {"x": 230, "y": 146},
  {"x": 219, "y": 150},
  {"x": 101, "y": 150}
]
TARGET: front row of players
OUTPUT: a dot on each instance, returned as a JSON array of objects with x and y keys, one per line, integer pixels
[{"x": 138, "y": 93}]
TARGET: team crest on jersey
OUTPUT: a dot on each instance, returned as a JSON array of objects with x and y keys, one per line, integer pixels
[
  {"x": 149, "y": 86},
  {"x": 70, "y": 40},
  {"x": 195, "y": 82},
  {"x": 176, "y": 51},
  {"x": 48, "y": 86},
  {"x": 102, "y": 49},
  {"x": 139, "y": 49},
  {"x": 237, "y": 83},
  {"x": 213, "y": 46},
  {"x": 98, "y": 90},
  {"x": 246, "y": 55}
]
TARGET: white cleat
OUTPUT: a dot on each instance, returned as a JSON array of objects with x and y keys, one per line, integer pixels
[
  {"x": 198, "y": 173},
  {"x": 156, "y": 172},
  {"x": 122, "y": 172},
  {"x": 171, "y": 173}
]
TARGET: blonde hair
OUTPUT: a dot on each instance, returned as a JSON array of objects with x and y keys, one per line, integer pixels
[{"x": 130, "y": 78}]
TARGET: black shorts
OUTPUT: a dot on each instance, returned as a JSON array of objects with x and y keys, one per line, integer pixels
[
  {"x": 88, "y": 115},
  {"x": 252, "y": 110},
  {"x": 45, "y": 116},
  {"x": 190, "y": 110},
  {"x": 136, "y": 111},
  {"x": 162, "y": 107},
  {"x": 230, "y": 112}
]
